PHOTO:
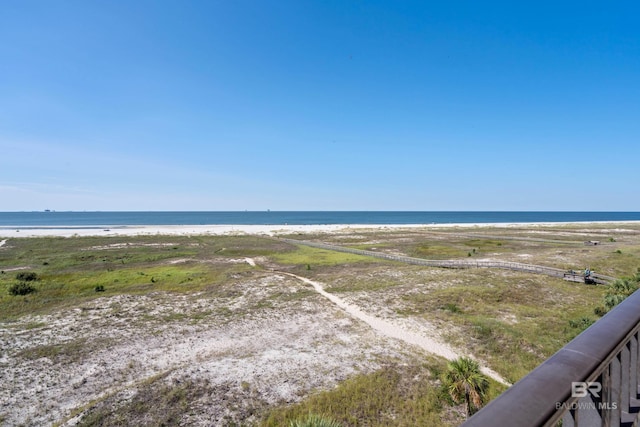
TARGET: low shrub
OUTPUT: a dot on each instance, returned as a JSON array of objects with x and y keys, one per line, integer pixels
[
  {"x": 21, "y": 288},
  {"x": 600, "y": 311},
  {"x": 27, "y": 276},
  {"x": 582, "y": 323},
  {"x": 453, "y": 308}
]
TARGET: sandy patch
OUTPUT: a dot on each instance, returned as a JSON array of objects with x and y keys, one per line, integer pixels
[
  {"x": 131, "y": 245},
  {"x": 394, "y": 330},
  {"x": 55, "y": 364},
  {"x": 16, "y": 268}
]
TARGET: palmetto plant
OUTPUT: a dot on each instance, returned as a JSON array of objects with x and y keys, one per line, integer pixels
[
  {"x": 465, "y": 383},
  {"x": 618, "y": 291}
]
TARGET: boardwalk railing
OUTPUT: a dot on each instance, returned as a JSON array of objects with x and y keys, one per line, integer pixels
[
  {"x": 592, "y": 381},
  {"x": 456, "y": 263}
]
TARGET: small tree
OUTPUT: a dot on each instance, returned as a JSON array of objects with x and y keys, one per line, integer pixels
[{"x": 466, "y": 384}]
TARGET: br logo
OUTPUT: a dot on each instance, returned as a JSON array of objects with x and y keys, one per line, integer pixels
[{"x": 582, "y": 389}]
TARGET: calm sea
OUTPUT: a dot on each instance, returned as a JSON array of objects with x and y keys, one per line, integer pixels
[{"x": 88, "y": 219}]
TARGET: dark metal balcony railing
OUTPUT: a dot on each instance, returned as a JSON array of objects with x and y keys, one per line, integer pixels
[{"x": 592, "y": 381}]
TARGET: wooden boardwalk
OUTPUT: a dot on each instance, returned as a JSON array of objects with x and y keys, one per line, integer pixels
[{"x": 454, "y": 263}]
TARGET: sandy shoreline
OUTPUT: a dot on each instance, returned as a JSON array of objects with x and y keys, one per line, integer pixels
[{"x": 270, "y": 230}]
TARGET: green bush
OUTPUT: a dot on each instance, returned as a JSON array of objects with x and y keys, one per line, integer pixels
[
  {"x": 21, "y": 288},
  {"x": 27, "y": 276},
  {"x": 618, "y": 291},
  {"x": 582, "y": 324},
  {"x": 600, "y": 311},
  {"x": 452, "y": 307}
]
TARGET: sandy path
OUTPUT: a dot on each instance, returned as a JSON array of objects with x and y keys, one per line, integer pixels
[
  {"x": 389, "y": 329},
  {"x": 3, "y": 242}
]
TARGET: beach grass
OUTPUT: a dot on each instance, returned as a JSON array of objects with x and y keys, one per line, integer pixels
[
  {"x": 392, "y": 396},
  {"x": 71, "y": 271},
  {"x": 305, "y": 255},
  {"x": 511, "y": 321}
]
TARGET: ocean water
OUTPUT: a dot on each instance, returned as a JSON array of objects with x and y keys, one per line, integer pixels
[{"x": 96, "y": 219}]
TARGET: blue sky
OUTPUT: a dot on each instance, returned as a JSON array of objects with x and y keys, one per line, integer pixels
[{"x": 319, "y": 105}]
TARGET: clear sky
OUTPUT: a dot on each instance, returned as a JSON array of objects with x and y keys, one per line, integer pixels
[{"x": 319, "y": 105}]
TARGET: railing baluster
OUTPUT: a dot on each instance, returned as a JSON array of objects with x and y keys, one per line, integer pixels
[
  {"x": 636, "y": 338},
  {"x": 615, "y": 372},
  {"x": 588, "y": 412},
  {"x": 568, "y": 419},
  {"x": 607, "y": 395},
  {"x": 625, "y": 373},
  {"x": 633, "y": 372}
]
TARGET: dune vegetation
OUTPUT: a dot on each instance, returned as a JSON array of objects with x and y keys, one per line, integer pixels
[{"x": 97, "y": 330}]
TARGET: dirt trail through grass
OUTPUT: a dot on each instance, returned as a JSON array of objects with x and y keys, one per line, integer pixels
[
  {"x": 387, "y": 328},
  {"x": 3, "y": 242}
]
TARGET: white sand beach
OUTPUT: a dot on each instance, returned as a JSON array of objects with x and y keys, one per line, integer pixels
[{"x": 269, "y": 230}]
